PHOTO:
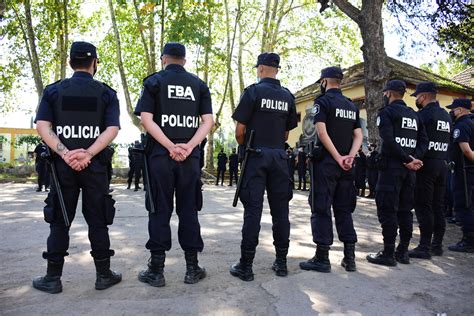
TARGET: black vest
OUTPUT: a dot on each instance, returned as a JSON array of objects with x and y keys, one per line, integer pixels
[
  {"x": 79, "y": 112},
  {"x": 405, "y": 126},
  {"x": 178, "y": 105},
  {"x": 438, "y": 129},
  {"x": 340, "y": 121},
  {"x": 271, "y": 109}
]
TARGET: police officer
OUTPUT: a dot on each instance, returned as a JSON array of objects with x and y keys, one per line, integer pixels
[
  {"x": 339, "y": 138},
  {"x": 301, "y": 165},
  {"x": 291, "y": 166},
  {"x": 431, "y": 179},
  {"x": 41, "y": 167},
  {"x": 233, "y": 167},
  {"x": 77, "y": 118},
  {"x": 463, "y": 178},
  {"x": 171, "y": 106},
  {"x": 372, "y": 171},
  {"x": 137, "y": 165},
  {"x": 360, "y": 172},
  {"x": 221, "y": 166},
  {"x": 269, "y": 110},
  {"x": 131, "y": 166},
  {"x": 403, "y": 141}
]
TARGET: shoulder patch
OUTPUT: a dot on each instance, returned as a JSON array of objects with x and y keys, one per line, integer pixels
[
  {"x": 349, "y": 99},
  {"x": 152, "y": 75},
  {"x": 377, "y": 122},
  {"x": 252, "y": 85},
  {"x": 316, "y": 109},
  {"x": 456, "y": 133},
  {"x": 107, "y": 86}
]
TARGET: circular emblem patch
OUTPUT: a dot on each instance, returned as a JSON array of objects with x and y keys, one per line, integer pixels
[
  {"x": 456, "y": 133},
  {"x": 316, "y": 109},
  {"x": 378, "y": 121}
]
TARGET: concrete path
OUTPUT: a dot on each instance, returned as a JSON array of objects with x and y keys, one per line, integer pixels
[{"x": 442, "y": 285}]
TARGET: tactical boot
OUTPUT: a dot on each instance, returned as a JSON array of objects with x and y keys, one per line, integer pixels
[
  {"x": 243, "y": 269},
  {"x": 51, "y": 282},
  {"x": 420, "y": 252},
  {"x": 436, "y": 249},
  {"x": 154, "y": 274},
  {"x": 465, "y": 245},
  {"x": 320, "y": 262},
  {"x": 279, "y": 265},
  {"x": 401, "y": 254},
  {"x": 385, "y": 257},
  {"x": 194, "y": 272},
  {"x": 105, "y": 277},
  {"x": 348, "y": 262}
]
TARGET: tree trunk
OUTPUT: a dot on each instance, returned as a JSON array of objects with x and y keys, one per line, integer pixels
[
  {"x": 35, "y": 66},
  {"x": 151, "y": 28},
  {"x": 123, "y": 76},
  {"x": 239, "y": 61},
  {"x": 265, "y": 25},
  {"x": 376, "y": 72},
  {"x": 207, "y": 49},
  {"x": 65, "y": 29},
  {"x": 162, "y": 35},
  {"x": 141, "y": 29}
]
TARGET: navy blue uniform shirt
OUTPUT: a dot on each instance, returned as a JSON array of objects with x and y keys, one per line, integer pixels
[
  {"x": 386, "y": 125},
  {"x": 269, "y": 109},
  {"x": 50, "y": 94},
  {"x": 463, "y": 133},
  {"x": 151, "y": 87}
]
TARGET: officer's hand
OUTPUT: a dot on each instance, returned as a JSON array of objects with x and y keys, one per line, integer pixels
[
  {"x": 341, "y": 162},
  {"x": 187, "y": 149},
  {"x": 349, "y": 161},
  {"x": 177, "y": 153},
  {"x": 414, "y": 165},
  {"x": 81, "y": 160}
]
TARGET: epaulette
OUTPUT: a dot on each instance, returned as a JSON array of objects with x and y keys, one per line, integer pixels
[
  {"x": 108, "y": 87},
  {"x": 350, "y": 100},
  {"x": 289, "y": 91},
  {"x": 252, "y": 85},
  {"x": 51, "y": 84},
  {"x": 151, "y": 75},
  {"x": 319, "y": 97}
]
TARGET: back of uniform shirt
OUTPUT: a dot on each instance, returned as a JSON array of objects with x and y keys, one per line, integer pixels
[
  {"x": 438, "y": 127},
  {"x": 269, "y": 110}
]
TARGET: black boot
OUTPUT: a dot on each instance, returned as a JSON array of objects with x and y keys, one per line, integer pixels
[
  {"x": 154, "y": 274},
  {"x": 385, "y": 257},
  {"x": 420, "y": 252},
  {"x": 243, "y": 269},
  {"x": 51, "y": 282},
  {"x": 105, "y": 277},
  {"x": 465, "y": 245},
  {"x": 436, "y": 248},
  {"x": 194, "y": 272},
  {"x": 348, "y": 262},
  {"x": 401, "y": 254},
  {"x": 128, "y": 186},
  {"x": 320, "y": 262},
  {"x": 279, "y": 265}
]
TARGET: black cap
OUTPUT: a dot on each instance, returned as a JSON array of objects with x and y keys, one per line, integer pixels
[
  {"x": 396, "y": 85},
  {"x": 174, "y": 49},
  {"x": 426, "y": 86},
  {"x": 331, "y": 72},
  {"x": 268, "y": 59},
  {"x": 82, "y": 50},
  {"x": 461, "y": 103}
]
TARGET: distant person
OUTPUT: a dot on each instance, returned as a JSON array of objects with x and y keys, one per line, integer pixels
[
  {"x": 137, "y": 165},
  {"x": 131, "y": 166},
  {"x": 360, "y": 172},
  {"x": 41, "y": 167},
  {"x": 221, "y": 166},
  {"x": 301, "y": 165},
  {"x": 291, "y": 166},
  {"x": 372, "y": 171},
  {"x": 108, "y": 156},
  {"x": 233, "y": 167}
]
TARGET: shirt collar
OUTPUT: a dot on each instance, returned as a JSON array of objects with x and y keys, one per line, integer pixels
[
  {"x": 334, "y": 90},
  {"x": 82, "y": 74},
  {"x": 270, "y": 80},
  {"x": 175, "y": 67}
]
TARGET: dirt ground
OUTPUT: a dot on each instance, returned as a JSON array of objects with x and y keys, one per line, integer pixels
[{"x": 442, "y": 285}]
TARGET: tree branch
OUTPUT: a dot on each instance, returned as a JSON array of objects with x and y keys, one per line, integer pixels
[{"x": 350, "y": 10}]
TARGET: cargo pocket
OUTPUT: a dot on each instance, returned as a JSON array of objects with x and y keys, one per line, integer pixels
[
  {"x": 48, "y": 211},
  {"x": 109, "y": 209},
  {"x": 199, "y": 198}
]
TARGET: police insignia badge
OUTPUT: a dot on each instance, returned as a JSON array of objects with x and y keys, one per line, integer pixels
[
  {"x": 456, "y": 133},
  {"x": 316, "y": 109},
  {"x": 378, "y": 121}
]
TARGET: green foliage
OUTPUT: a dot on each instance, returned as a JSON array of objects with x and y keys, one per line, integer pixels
[
  {"x": 3, "y": 139},
  {"x": 28, "y": 140},
  {"x": 446, "y": 68}
]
